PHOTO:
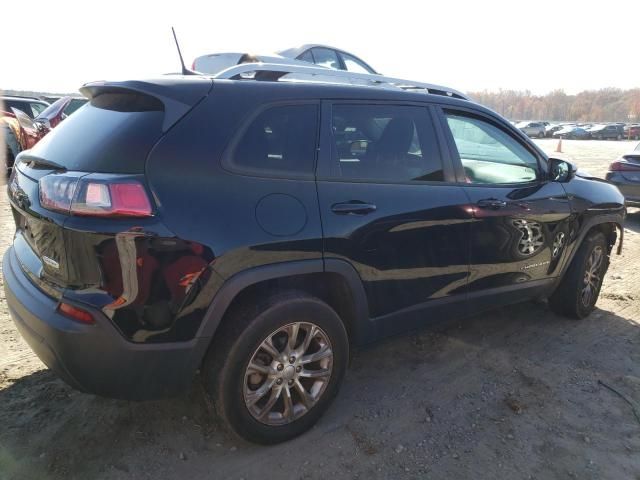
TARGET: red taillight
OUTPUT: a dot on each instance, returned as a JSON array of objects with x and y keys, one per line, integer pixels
[
  {"x": 96, "y": 196},
  {"x": 622, "y": 166},
  {"x": 112, "y": 200},
  {"x": 76, "y": 313}
]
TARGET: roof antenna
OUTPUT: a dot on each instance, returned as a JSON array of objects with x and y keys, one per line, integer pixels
[{"x": 185, "y": 70}]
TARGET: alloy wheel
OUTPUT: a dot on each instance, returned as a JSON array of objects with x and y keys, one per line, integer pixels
[{"x": 288, "y": 373}]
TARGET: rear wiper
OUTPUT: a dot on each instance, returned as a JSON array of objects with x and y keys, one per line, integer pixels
[{"x": 35, "y": 162}]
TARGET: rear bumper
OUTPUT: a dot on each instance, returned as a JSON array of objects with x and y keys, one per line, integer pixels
[
  {"x": 630, "y": 190},
  {"x": 96, "y": 358}
]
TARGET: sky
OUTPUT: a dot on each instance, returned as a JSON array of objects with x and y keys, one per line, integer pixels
[{"x": 467, "y": 45}]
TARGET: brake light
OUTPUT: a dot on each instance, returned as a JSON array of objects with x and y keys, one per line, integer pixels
[
  {"x": 621, "y": 166},
  {"x": 111, "y": 200},
  {"x": 75, "y": 313},
  {"x": 94, "y": 195}
]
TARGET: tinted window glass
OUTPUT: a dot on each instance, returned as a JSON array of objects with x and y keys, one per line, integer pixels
[
  {"x": 112, "y": 134},
  {"x": 281, "y": 140},
  {"x": 488, "y": 154},
  {"x": 385, "y": 143},
  {"x": 17, "y": 104},
  {"x": 353, "y": 64},
  {"x": 326, "y": 58}
]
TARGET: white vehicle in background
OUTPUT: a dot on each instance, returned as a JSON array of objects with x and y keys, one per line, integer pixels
[{"x": 319, "y": 55}]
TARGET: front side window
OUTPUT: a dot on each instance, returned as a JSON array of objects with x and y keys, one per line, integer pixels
[
  {"x": 306, "y": 57},
  {"x": 384, "y": 143},
  {"x": 488, "y": 154},
  {"x": 281, "y": 139},
  {"x": 326, "y": 58}
]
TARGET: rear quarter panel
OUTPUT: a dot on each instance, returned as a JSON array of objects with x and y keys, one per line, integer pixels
[{"x": 200, "y": 202}]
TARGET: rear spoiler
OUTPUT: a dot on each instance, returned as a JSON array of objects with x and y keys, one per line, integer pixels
[{"x": 177, "y": 95}]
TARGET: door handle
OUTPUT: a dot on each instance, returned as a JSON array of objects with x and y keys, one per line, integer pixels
[
  {"x": 492, "y": 203},
  {"x": 354, "y": 207}
]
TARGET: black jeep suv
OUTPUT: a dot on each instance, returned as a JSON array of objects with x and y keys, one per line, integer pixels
[{"x": 256, "y": 231}]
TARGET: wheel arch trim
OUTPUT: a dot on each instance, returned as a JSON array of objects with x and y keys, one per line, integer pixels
[
  {"x": 240, "y": 281},
  {"x": 612, "y": 218}
]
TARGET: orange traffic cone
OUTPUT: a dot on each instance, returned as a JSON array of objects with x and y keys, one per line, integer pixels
[{"x": 559, "y": 147}]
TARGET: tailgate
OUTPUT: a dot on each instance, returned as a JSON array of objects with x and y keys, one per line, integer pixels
[{"x": 39, "y": 239}]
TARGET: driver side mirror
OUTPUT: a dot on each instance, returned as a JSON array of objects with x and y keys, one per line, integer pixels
[{"x": 561, "y": 170}]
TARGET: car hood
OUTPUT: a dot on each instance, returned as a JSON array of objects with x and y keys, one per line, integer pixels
[{"x": 584, "y": 174}]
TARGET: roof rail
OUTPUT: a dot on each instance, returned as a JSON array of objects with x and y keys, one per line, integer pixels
[{"x": 274, "y": 72}]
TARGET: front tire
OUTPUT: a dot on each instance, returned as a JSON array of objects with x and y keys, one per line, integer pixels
[
  {"x": 275, "y": 368},
  {"x": 578, "y": 292}
]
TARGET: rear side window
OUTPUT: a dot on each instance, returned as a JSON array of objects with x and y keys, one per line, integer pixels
[
  {"x": 386, "y": 143},
  {"x": 353, "y": 64},
  {"x": 113, "y": 133},
  {"x": 279, "y": 141}
]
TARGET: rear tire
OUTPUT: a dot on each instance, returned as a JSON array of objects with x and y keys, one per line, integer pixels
[
  {"x": 579, "y": 289},
  {"x": 254, "y": 378}
]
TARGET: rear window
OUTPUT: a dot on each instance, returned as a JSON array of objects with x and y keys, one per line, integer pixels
[{"x": 113, "y": 133}]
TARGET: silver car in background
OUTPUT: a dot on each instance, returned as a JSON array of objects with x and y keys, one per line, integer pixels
[
  {"x": 624, "y": 173},
  {"x": 319, "y": 55},
  {"x": 532, "y": 129}
]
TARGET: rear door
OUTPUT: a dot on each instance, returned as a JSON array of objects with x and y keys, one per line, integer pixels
[
  {"x": 521, "y": 220},
  {"x": 390, "y": 208}
]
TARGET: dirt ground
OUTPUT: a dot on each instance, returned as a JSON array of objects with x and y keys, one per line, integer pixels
[{"x": 510, "y": 394}]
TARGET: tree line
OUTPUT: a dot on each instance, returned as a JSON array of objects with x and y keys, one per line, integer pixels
[{"x": 604, "y": 105}]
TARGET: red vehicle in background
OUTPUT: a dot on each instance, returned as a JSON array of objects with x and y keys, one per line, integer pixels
[
  {"x": 632, "y": 131},
  {"x": 21, "y": 132}
]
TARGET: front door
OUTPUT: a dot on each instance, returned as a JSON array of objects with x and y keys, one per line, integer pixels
[
  {"x": 521, "y": 220},
  {"x": 390, "y": 207}
]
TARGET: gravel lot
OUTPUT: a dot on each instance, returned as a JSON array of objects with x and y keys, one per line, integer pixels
[{"x": 510, "y": 394}]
